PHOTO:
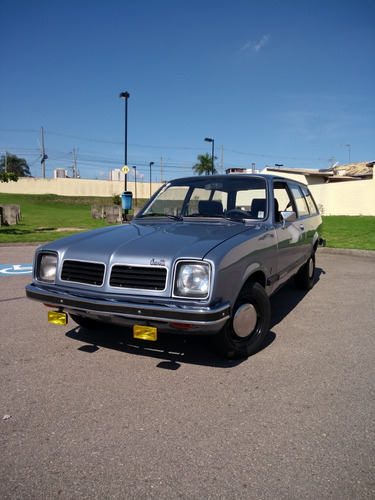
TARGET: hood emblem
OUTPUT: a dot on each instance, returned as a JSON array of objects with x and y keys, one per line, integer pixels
[{"x": 156, "y": 262}]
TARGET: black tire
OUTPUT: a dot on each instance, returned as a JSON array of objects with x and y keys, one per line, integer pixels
[
  {"x": 305, "y": 277},
  {"x": 246, "y": 330},
  {"x": 88, "y": 323}
]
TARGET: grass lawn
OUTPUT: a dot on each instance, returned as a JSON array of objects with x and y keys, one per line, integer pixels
[
  {"x": 349, "y": 232},
  {"x": 49, "y": 217}
]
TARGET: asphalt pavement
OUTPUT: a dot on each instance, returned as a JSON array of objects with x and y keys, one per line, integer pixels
[{"x": 103, "y": 416}]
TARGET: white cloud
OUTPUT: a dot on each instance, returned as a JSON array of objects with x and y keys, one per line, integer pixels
[{"x": 256, "y": 46}]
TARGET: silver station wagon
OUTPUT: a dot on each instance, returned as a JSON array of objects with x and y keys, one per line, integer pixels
[{"x": 202, "y": 257}]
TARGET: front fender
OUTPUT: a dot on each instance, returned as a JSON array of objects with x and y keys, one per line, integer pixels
[{"x": 239, "y": 259}]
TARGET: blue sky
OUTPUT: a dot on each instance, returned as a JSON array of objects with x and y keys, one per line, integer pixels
[{"x": 283, "y": 81}]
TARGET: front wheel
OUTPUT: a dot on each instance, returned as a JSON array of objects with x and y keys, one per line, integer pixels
[{"x": 246, "y": 330}]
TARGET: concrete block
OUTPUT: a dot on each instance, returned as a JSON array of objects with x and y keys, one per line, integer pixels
[
  {"x": 97, "y": 212},
  {"x": 10, "y": 214},
  {"x": 113, "y": 213}
]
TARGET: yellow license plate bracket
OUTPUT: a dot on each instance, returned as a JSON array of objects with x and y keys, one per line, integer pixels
[
  {"x": 144, "y": 332},
  {"x": 57, "y": 318}
]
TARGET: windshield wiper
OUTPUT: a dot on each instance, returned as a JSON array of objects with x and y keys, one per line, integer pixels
[
  {"x": 154, "y": 214},
  {"x": 218, "y": 216}
]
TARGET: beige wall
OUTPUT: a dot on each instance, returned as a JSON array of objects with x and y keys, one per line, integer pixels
[
  {"x": 333, "y": 198},
  {"x": 76, "y": 187},
  {"x": 345, "y": 198},
  {"x": 342, "y": 197}
]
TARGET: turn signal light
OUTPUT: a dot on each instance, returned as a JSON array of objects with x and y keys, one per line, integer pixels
[{"x": 182, "y": 326}]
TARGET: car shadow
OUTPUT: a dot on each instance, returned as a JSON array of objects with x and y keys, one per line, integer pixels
[
  {"x": 170, "y": 350},
  {"x": 287, "y": 298},
  {"x": 174, "y": 350}
]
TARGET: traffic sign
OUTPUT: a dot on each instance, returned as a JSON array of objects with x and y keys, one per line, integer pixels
[{"x": 125, "y": 169}]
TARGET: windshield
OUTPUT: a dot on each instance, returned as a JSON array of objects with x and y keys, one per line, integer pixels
[{"x": 233, "y": 197}]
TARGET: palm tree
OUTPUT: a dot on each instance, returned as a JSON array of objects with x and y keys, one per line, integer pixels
[
  {"x": 204, "y": 165},
  {"x": 15, "y": 165}
]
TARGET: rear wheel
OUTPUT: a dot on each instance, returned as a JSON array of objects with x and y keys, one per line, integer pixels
[
  {"x": 245, "y": 331},
  {"x": 305, "y": 277}
]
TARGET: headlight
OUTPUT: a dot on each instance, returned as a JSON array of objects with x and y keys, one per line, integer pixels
[
  {"x": 46, "y": 267},
  {"x": 192, "y": 280}
]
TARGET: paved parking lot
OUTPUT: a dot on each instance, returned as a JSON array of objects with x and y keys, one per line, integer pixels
[{"x": 103, "y": 416}]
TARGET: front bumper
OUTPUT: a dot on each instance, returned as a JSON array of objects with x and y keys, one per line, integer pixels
[{"x": 211, "y": 318}]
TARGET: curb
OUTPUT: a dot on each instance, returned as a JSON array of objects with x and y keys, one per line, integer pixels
[
  {"x": 24, "y": 244},
  {"x": 348, "y": 251}
]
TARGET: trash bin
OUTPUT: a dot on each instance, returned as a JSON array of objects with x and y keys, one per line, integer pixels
[{"x": 126, "y": 197}]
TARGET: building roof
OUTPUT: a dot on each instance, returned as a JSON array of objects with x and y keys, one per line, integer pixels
[{"x": 351, "y": 171}]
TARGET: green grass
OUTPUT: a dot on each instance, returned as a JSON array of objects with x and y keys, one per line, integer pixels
[
  {"x": 349, "y": 232},
  {"x": 45, "y": 216}
]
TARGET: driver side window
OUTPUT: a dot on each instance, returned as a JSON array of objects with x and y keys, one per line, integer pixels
[{"x": 283, "y": 200}]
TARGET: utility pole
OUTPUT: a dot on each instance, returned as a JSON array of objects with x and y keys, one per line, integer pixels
[
  {"x": 44, "y": 156},
  {"x": 6, "y": 161},
  {"x": 221, "y": 160},
  {"x": 348, "y": 146},
  {"x": 161, "y": 169},
  {"x": 74, "y": 164}
]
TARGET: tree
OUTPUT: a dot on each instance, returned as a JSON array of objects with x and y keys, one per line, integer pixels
[
  {"x": 204, "y": 165},
  {"x": 15, "y": 165},
  {"x": 6, "y": 177}
]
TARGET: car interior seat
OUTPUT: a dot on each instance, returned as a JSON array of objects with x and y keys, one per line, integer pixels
[
  {"x": 258, "y": 208},
  {"x": 277, "y": 213},
  {"x": 206, "y": 207}
]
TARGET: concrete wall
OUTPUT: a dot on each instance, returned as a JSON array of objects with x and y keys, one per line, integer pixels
[
  {"x": 339, "y": 198},
  {"x": 333, "y": 198},
  {"x": 76, "y": 187},
  {"x": 345, "y": 198}
]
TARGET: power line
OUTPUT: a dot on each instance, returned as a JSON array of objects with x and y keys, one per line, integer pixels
[{"x": 163, "y": 147}]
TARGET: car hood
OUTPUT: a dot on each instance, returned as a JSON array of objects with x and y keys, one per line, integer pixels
[{"x": 148, "y": 243}]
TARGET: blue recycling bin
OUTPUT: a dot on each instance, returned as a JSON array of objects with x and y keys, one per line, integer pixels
[{"x": 126, "y": 197}]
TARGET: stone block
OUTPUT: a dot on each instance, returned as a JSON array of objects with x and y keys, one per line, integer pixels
[
  {"x": 10, "y": 214},
  {"x": 97, "y": 212},
  {"x": 113, "y": 213}
]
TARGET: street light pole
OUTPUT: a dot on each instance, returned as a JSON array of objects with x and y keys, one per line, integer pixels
[
  {"x": 207, "y": 139},
  {"x": 135, "y": 185},
  {"x": 151, "y": 163},
  {"x": 126, "y": 95}
]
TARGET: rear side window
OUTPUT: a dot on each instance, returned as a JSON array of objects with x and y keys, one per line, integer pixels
[
  {"x": 309, "y": 201},
  {"x": 301, "y": 203}
]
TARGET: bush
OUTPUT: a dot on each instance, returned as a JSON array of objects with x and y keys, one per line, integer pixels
[{"x": 116, "y": 199}]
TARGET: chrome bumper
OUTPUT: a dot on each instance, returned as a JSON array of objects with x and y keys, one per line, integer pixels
[{"x": 207, "y": 316}]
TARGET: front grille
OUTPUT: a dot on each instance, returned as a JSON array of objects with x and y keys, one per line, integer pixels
[
  {"x": 90, "y": 273},
  {"x": 142, "y": 278}
]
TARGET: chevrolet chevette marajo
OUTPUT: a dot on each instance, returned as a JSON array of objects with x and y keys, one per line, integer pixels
[{"x": 202, "y": 257}]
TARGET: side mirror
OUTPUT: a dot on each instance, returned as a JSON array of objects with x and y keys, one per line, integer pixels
[{"x": 288, "y": 216}]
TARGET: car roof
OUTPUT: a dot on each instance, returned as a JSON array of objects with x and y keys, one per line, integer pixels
[{"x": 267, "y": 177}]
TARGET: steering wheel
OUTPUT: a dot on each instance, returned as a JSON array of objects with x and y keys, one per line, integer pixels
[{"x": 236, "y": 212}]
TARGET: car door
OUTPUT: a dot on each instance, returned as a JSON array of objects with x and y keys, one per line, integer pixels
[
  {"x": 290, "y": 233},
  {"x": 305, "y": 218}
]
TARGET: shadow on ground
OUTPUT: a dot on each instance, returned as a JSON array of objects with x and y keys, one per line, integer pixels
[{"x": 173, "y": 350}]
